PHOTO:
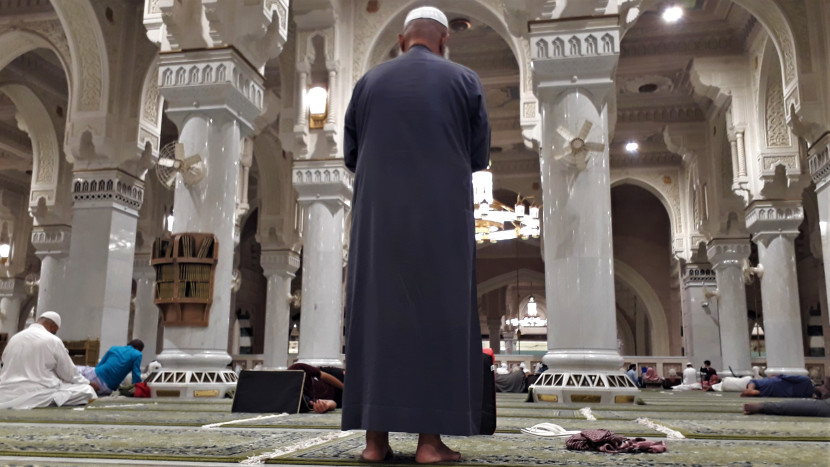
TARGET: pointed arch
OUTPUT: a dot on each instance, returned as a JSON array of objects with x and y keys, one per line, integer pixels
[{"x": 654, "y": 309}]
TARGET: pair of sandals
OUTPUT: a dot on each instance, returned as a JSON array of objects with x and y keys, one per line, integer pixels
[{"x": 549, "y": 430}]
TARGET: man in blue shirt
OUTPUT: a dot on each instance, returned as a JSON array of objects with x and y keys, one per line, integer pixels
[
  {"x": 780, "y": 386},
  {"x": 116, "y": 364}
]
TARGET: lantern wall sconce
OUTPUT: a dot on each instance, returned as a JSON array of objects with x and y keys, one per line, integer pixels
[
  {"x": 317, "y": 98},
  {"x": 5, "y": 251}
]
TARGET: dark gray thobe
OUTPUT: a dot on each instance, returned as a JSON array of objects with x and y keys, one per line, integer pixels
[{"x": 415, "y": 130}]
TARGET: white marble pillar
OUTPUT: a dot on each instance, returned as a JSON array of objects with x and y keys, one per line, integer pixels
[
  {"x": 494, "y": 330},
  {"x": 701, "y": 330},
  {"x": 12, "y": 294},
  {"x": 279, "y": 267},
  {"x": 324, "y": 189},
  {"x": 146, "y": 319},
  {"x": 819, "y": 163},
  {"x": 106, "y": 204},
  {"x": 727, "y": 256},
  {"x": 51, "y": 243},
  {"x": 573, "y": 65},
  {"x": 774, "y": 225}
]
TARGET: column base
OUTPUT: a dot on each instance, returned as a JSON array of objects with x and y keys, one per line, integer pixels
[
  {"x": 772, "y": 371},
  {"x": 199, "y": 375},
  {"x": 583, "y": 359},
  {"x": 585, "y": 387}
]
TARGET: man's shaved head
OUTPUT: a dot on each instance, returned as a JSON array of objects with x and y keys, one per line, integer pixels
[{"x": 426, "y": 32}]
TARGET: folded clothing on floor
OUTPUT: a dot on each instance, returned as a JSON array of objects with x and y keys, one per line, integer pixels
[{"x": 607, "y": 441}]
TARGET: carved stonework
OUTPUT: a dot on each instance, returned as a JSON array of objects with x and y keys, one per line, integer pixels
[
  {"x": 697, "y": 275},
  {"x": 366, "y": 27},
  {"x": 151, "y": 100},
  {"x": 322, "y": 180},
  {"x": 777, "y": 132},
  {"x": 51, "y": 30},
  {"x": 282, "y": 262},
  {"x": 107, "y": 188},
  {"x": 819, "y": 161},
  {"x": 767, "y": 219},
  {"x": 728, "y": 252},
  {"x": 51, "y": 240},
  {"x": 47, "y": 158},
  {"x": 89, "y": 59},
  {"x": 687, "y": 113}
]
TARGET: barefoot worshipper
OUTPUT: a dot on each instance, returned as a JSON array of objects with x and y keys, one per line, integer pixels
[
  {"x": 415, "y": 130},
  {"x": 37, "y": 370}
]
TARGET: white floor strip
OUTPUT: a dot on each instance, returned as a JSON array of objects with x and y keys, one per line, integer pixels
[
  {"x": 587, "y": 413},
  {"x": 670, "y": 434},
  {"x": 231, "y": 422},
  {"x": 260, "y": 459},
  {"x": 118, "y": 406}
]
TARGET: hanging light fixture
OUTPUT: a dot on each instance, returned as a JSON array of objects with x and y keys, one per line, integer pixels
[
  {"x": 317, "y": 98},
  {"x": 491, "y": 216},
  {"x": 170, "y": 220},
  {"x": 531, "y": 307}
]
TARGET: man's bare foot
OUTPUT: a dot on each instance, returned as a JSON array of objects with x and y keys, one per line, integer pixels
[
  {"x": 750, "y": 409},
  {"x": 431, "y": 450},
  {"x": 377, "y": 447}
]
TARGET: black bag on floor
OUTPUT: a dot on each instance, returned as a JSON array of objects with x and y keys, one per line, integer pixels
[
  {"x": 269, "y": 392},
  {"x": 488, "y": 397}
]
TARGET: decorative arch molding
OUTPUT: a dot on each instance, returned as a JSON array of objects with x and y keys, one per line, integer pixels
[
  {"x": 509, "y": 278},
  {"x": 770, "y": 15},
  {"x": 777, "y": 144},
  {"x": 625, "y": 333},
  {"x": 654, "y": 309},
  {"x": 90, "y": 68},
  {"x": 670, "y": 198},
  {"x": 24, "y": 38},
  {"x": 45, "y": 144},
  {"x": 150, "y": 112}
]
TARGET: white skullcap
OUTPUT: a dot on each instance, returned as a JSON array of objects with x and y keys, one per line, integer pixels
[
  {"x": 52, "y": 316},
  {"x": 427, "y": 12}
]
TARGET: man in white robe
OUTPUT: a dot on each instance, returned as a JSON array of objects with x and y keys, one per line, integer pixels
[{"x": 37, "y": 370}]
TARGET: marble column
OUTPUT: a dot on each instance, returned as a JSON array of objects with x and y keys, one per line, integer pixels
[
  {"x": 51, "y": 243},
  {"x": 701, "y": 323},
  {"x": 774, "y": 225},
  {"x": 819, "y": 163},
  {"x": 727, "y": 256},
  {"x": 12, "y": 294},
  {"x": 573, "y": 66},
  {"x": 279, "y": 267},
  {"x": 146, "y": 319},
  {"x": 324, "y": 189},
  {"x": 494, "y": 330},
  {"x": 106, "y": 204}
]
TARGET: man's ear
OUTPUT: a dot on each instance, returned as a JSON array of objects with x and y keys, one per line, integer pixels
[{"x": 401, "y": 43}]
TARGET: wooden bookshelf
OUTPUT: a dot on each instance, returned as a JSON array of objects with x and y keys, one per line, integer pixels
[
  {"x": 84, "y": 352},
  {"x": 185, "y": 267}
]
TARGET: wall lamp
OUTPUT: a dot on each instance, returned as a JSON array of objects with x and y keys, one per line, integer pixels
[
  {"x": 317, "y": 107},
  {"x": 5, "y": 250}
]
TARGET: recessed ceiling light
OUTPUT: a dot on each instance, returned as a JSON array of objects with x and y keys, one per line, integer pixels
[
  {"x": 631, "y": 146},
  {"x": 460, "y": 24},
  {"x": 672, "y": 14}
]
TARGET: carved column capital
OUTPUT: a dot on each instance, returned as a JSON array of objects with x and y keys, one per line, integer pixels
[
  {"x": 107, "y": 188},
  {"x": 571, "y": 53},
  {"x": 698, "y": 275},
  {"x": 219, "y": 83},
  {"x": 819, "y": 161},
  {"x": 728, "y": 252},
  {"x": 51, "y": 240},
  {"x": 323, "y": 180},
  {"x": 279, "y": 262},
  {"x": 767, "y": 219},
  {"x": 12, "y": 288}
]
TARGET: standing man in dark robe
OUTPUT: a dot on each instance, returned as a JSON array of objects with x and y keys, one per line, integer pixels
[{"x": 415, "y": 130}]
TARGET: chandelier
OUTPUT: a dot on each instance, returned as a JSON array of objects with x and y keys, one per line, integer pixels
[
  {"x": 531, "y": 320},
  {"x": 495, "y": 221}
]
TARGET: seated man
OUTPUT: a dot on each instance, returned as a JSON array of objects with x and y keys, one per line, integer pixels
[
  {"x": 37, "y": 370},
  {"x": 706, "y": 371},
  {"x": 116, "y": 364},
  {"x": 779, "y": 386},
  {"x": 323, "y": 390}
]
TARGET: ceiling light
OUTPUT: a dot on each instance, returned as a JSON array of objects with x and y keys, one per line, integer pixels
[
  {"x": 672, "y": 14},
  {"x": 631, "y": 146}
]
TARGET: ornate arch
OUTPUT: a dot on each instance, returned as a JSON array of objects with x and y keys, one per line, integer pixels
[
  {"x": 670, "y": 200},
  {"x": 778, "y": 146},
  {"x": 654, "y": 309},
  {"x": 45, "y": 143},
  {"x": 150, "y": 112},
  {"x": 770, "y": 15}
]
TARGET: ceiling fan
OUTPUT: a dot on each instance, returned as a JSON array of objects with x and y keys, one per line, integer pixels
[
  {"x": 172, "y": 161},
  {"x": 576, "y": 152}
]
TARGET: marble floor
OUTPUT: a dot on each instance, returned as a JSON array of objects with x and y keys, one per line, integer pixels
[{"x": 160, "y": 432}]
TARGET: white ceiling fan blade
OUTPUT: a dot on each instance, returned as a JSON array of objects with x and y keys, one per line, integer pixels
[
  {"x": 166, "y": 162},
  {"x": 565, "y": 133},
  {"x": 178, "y": 151},
  {"x": 586, "y": 128},
  {"x": 594, "y": 147},
  {"x": 190, "y": 161},
  {"x": 561, "y": 155},
  {"x": 581, "y": 163}
]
